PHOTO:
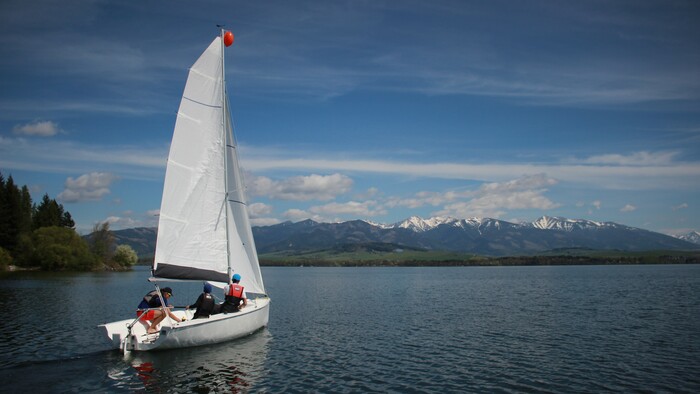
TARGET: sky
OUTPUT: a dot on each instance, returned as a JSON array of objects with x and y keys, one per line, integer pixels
[{"x": 372, "y": 110}]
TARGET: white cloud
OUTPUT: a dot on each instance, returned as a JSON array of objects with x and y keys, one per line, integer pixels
[
  {"x": 496, "y": 204},
  {"x": 626, "y": 173},
  {"x": 643, "y": 158},
  {"x": 296, "y": 215},
  {"x": 490, "y": 199},
  {"x": 597, "y": 204},
  {"x": 148, "y": 163},
  {"x": 424, "y": 198},
  {"x": 363, "y": 209},
  {"x": 264, "y": 221},
  {"x": 118, "y": 222},
  {"x": 302, "y": 188},
  {"x": 368, "y": 194},
  {"x": 131, "y": 219},
  {"x": 38, "y": 128},
  {"x": 524, "y": 183},
  {"x": 628, "y": 208},
  {"x": 259, "y": 209},
  {"x": 68, "y": 157},
  {"x": 259, "y": 214},
  {"x": 680, "y": 206},
  {"x": 87, "y": 187}
]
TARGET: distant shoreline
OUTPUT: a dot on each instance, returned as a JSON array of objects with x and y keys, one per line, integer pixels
[
  {"x": 466, "y": 261},
  {"x": 693, "y": 258}
]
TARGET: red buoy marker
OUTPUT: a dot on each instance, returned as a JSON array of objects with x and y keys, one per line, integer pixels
[{"x": 228, "y": 38}]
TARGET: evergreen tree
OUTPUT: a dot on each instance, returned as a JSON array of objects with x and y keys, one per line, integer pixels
[
  {"x": 26, "y": 210},
  {"x": 4, "y": 209},
  {"x": 18, "y": 217},
  {"x": 67, "y": 220},
  {"x": 47, "y": 214},
  {"x": 12, "y": 215},
  {"x": 50, "y": 213}
]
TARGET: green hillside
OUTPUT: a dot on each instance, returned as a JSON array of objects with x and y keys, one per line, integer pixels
[{"x": 378, "y": 254}]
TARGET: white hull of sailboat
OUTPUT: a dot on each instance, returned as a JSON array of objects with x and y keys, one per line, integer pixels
[{"x": 215, "y": 329}]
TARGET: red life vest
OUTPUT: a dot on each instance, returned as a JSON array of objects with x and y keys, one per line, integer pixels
[{"x": 235, "y": 290}]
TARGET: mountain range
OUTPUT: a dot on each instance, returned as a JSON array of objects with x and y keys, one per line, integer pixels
[
  {"x": 693, "y": 237},
  {"x": 483, "y": 236}
]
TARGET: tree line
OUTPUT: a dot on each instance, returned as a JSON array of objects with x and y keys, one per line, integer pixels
[{"x": 43, "y": 235}]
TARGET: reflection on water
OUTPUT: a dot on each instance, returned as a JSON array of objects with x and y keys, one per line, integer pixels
[
  {"x": 235, "y": 366},
  {"x": 232, "y": 367}
]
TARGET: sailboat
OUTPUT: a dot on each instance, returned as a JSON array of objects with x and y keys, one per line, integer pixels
[{"x": 204, "y": 232}]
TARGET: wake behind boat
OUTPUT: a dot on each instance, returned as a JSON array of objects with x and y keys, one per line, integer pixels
[{"x": 204, "y": 232}]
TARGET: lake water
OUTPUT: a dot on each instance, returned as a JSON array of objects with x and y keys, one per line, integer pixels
[{"x": 484, "y": 329}]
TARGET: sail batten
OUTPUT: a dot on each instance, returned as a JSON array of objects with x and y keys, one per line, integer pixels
[{"x": 201, "y": 103}]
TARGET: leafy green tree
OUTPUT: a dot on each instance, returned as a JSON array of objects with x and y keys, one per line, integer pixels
[
  {"x": 19, "y": 217},
  {"x": 5, "y": 259},
  {"x": 125, "y": 256},
  {"x": 60, "y": 248},
  {"x": 24, "y": 256},
  {"x": 102, "y": 242}
]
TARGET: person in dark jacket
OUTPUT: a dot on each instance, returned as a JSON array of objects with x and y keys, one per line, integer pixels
[
  {"x": 205, "y": 304},
  {"x": 146, "y": 312}
]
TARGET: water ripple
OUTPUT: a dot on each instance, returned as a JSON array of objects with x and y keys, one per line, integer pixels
[{"x": 396, "y": 330}]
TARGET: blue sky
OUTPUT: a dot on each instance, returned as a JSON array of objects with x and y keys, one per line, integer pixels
[{"x": 374, "y": 110}]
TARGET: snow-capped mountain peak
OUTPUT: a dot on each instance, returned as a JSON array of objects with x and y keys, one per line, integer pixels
[
  {"x": 418, "y": 224},
  {"x": 380, "y": 225},
  {"x": 556, "y": 223},
  {"x": 564, "y": 224},
  {"x": 692, "y": 236}
]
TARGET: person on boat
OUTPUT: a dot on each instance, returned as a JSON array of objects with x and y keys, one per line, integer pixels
[
  {"x": 205, "y": 304},
  {"x": 146, "y": 312},
  {"x": 234, "y": 294}
]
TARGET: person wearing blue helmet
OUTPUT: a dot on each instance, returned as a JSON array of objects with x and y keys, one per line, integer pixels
[
  {"x": 235, "y": 297},
  {"x": 205, "y": 304}
]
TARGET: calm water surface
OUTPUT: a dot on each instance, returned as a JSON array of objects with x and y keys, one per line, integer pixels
[{"x": 457, "y": 329}]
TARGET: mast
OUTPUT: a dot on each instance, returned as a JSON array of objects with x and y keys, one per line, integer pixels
[{"x": 224, "y": 109}]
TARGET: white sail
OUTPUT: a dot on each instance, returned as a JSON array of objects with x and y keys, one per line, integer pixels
[
  {"x": 204, "y": 231},
  {"x": 204, "y": 228},
  {"x": 239, "y": 222}
]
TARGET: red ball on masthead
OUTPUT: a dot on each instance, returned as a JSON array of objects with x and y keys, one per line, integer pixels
[{"x": 228, "y": 38}]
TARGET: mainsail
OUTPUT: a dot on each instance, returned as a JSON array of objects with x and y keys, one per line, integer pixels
[{"x": 204, "y": 232}]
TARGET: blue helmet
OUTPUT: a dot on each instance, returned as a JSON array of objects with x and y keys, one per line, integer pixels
[
  {"x": 207, "y": 288},
  {"x": 236, "y": 278}
]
